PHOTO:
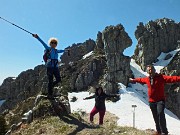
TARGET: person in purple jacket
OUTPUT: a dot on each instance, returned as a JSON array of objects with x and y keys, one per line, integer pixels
[{"x": 51, "y": 63}]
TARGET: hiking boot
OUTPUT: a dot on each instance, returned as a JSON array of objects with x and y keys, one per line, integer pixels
[{"x": 157, "y": 133}]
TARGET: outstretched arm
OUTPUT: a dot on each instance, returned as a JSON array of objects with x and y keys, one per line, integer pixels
[
  {"x": 171, "y": 79},
  {"x": 60, "y": 51},
  {"x": 66, "y": 50},
  {"x": 40, "y": 40},
  {"x": 138, "y": 80},
  {"x": 93, "y": 96}
]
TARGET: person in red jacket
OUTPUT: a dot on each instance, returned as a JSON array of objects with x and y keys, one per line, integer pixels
[
  {"x": 155, "y": 83},
  {"x": 99, "y": 107}
]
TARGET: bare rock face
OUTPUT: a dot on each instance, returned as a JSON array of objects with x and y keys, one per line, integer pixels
[
  {"x": 99, "y": 49},
  {"x": 27, "y": 84},
  {"x": 77, "y": 51},
  {"x": 44, "y": 107},
  {"x": 80, "y": 75},
  {"x": 77, "y": 72},
  {"x": 157, "y": 36},
  {"x": 115, "y": 41}
]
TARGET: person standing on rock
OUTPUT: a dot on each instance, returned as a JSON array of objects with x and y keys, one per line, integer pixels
[
  {"x": 51, "y": 63},
  {"x": 99, "y": 107},
  {"x": 155, "y": 83}
]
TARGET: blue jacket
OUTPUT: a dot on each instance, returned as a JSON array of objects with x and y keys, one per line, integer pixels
[{"x": 52, "y": 62}]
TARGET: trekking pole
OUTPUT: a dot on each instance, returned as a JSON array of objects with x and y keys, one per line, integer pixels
[{"x": 16, "y": 25}]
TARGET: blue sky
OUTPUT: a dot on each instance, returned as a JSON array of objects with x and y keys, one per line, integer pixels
[{"x": 71, "y": 21}]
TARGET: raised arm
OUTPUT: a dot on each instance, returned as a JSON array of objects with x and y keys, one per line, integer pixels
[{"x": 40, "y": 40}]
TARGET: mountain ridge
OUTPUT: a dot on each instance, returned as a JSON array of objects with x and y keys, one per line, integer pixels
[{"x": 106, "y": 66}]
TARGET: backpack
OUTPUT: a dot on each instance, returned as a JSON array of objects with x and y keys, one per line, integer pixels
[{"x": 46, "y": 55}]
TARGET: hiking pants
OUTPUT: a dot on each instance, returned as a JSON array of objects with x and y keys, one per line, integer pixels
[
  {"x": 101, "y": 115},
  {"x": 157, "y": 109},
  {"x": 53, "y": 71}
]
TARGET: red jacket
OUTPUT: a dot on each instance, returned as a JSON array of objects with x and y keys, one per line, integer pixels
[{"x": 156, "y": 90}]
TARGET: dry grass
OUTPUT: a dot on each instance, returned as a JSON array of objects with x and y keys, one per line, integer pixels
[{"x": 75, "y": 124}]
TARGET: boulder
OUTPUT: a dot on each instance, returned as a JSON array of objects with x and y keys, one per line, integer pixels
[{"x": 45, "y": 107}]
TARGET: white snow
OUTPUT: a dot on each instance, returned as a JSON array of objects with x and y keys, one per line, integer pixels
[
  {"x": 123, "y": 109},
  {"x": 1, "y": 102},
  {"x": 87, "y": 55},
  {"x": 161, "y": 62},
  {"x": 135, "y": 94},
  {"x": 28, "y": 113}
]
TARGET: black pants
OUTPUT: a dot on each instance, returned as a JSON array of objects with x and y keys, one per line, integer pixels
[
  {"x": 53, "y": 71},
  {"x": 157, "y": 109}
]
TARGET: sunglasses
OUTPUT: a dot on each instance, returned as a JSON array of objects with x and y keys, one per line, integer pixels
[{"x": 53, "y": 42}]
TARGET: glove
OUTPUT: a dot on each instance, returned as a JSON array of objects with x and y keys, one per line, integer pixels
[{"x": 35, "y": 35}]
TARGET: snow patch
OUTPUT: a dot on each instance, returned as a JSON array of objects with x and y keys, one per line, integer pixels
[
  {"x": 136, "y": 69},
  {"x": 87, "y": 55},
  {"x": 161, "y": 63},
  {"x": 1, "y": 102}
]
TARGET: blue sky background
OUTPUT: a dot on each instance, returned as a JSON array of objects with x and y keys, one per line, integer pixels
[{"x": 71, "y": 21}]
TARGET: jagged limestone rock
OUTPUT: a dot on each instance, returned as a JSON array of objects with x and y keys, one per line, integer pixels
[
  {"x": 83, "y": 73},
  {"x": 77, "y": 51},
  {"x": 99, "y": 49},
  {"x": 161, "y": 35},
  {"x": 45, "y": 107},
  {"x": 27, "y": 84},
  {"x": 44, "y": 88},
  {"x": 116, "y": 40}
]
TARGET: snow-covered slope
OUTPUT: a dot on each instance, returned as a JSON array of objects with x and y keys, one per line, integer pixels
[{"x": 135, "y": 94}]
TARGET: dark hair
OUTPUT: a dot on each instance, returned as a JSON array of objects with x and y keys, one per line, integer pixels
[
  {"x": 151, "y": 67},
  {"x": 102, "y": 91}
]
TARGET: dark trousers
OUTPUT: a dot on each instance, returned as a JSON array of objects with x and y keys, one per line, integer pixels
[
  {"x": 53, "y": 72},
  {"x": 157, "y": 109},
  {"x": 101, "y": 115}
]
